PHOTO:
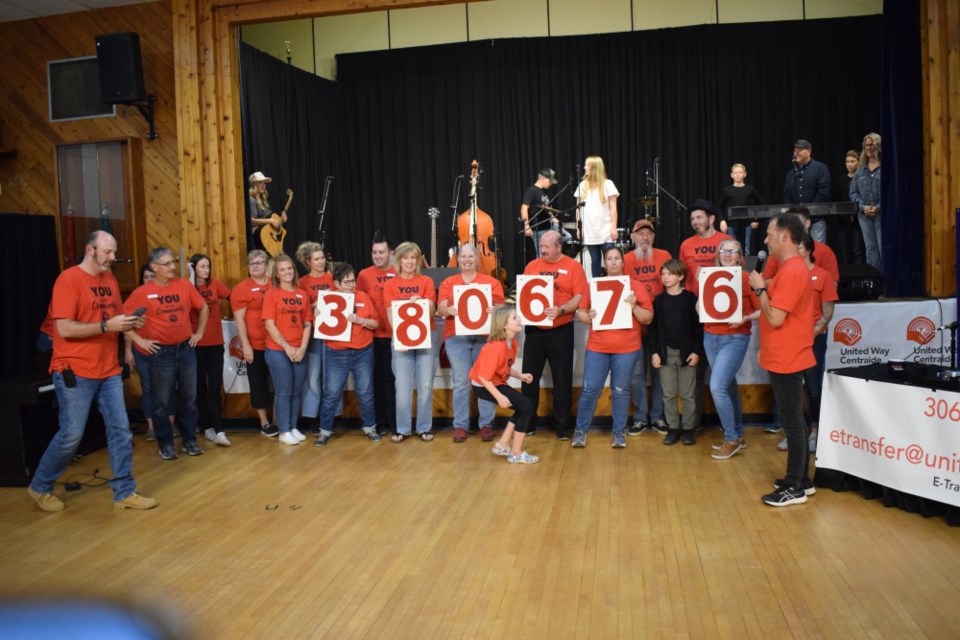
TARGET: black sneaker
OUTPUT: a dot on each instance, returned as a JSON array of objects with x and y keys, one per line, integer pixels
[
  {"x": 168, "y": 453},
  {"x": 637, "y": 428},
  {"x": 661, "y": 426},
  {"x": 192, "y": 448},
  {"x": 562, "y": 434},
  {"x": 808, "y": 487},
  {"x": 322, "y": 439},
  {"x": 270, "y": 430},
  {"x": 784, "y": 497},
  {"x": 689, "y": 437},
  {"x": 673, "y": 436}
]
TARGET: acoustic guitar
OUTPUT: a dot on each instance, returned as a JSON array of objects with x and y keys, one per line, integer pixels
[{"x": 272, "y": 239}]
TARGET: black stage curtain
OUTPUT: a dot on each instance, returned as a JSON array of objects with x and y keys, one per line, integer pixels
[
  {"x": 407, "y": 122},
  {"x": 31, "y": 253},
  {"x": 901, "y": 189}
]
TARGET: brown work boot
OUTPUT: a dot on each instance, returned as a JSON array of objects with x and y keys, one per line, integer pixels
[
  {"x": 135, "y": 501},
  {"x": 727, "y": 450},
  {"x": 46, "y": 501}
]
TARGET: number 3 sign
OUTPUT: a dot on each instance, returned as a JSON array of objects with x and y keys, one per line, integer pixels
[
  {"x": 411, "y": 324},
  {"x": 534, "y": 297},
  {"x": 721, "y": 294},
  {"x": 331, "y": 316},
  {"x": 472, "y": 302}
]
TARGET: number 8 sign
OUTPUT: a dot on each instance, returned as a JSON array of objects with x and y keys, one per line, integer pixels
[
  {"x": 411, "y": 324},
  {"x": 721, "y": 294},
  {"x": 534, "y": 297}
]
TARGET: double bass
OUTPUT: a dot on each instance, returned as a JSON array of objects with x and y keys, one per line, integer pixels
[{"x": 475, "y": 226}]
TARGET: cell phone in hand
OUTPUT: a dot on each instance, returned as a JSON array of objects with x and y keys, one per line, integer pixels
[{"x": 139, "y": 313}]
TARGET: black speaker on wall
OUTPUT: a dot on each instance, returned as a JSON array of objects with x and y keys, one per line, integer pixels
[{"x": 121, "y": 71}]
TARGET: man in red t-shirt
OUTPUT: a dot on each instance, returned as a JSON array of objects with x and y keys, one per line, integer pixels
[
  {"x": 554, "y": 344},
  {"x": 826, "y": 258},
  {"x": 86, "y": 312},
  {"x": 643, "y": 264},
  {"x": 786, "y": 350},
  {"x": 168, "y": 339},
  {"x": 371, "y": 282}
]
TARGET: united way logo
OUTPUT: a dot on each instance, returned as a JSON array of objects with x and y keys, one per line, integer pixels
[
  {"x": 236, "y": 347},
  {"x": 847, "y": 332},
  {"x": 921, "y": 330}
]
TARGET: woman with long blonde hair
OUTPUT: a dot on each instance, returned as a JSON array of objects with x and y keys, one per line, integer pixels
[
  {"x": 865, "y": 191},
  {"x": 598, "y": 214}
]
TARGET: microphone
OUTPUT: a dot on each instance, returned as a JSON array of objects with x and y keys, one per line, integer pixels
[
  {"x": 950, "y": 327},
  {"x": 581, "y": 205},
  {"x": 761, "y": 260},
  {"x": 656, "y": 160}
]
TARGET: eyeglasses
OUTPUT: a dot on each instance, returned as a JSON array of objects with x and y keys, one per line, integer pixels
[
  {"x": 869, "y": 145},
  {"x": 350, "y": 281},
  {"x": 257, "y": 263},
  {"x": 728, "y": 252},
  {"x": 166, "y": 264}
]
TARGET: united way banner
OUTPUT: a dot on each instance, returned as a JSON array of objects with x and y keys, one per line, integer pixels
[
  {"x": 902, "y": 437},
  {"x": 234, "y": 368}
]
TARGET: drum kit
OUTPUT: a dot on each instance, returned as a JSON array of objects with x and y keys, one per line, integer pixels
[{"x": 572, "y": 246}]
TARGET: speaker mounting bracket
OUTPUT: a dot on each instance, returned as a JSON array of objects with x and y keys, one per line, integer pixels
[{"x": 146, "y": 109}]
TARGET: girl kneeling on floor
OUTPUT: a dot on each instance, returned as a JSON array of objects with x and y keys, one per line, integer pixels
[{"x": 489, "y": 375}]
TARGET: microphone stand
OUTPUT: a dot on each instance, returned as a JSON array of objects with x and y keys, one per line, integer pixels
[
  {"x": 322, "y": 211},
  {"x": 660, "y": 190},
  {"x": 456, "y": 205}
]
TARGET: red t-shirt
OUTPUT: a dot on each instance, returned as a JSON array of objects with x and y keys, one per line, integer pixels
[
  {"x": 494, "y": 362},
  {"x": 313, "y": 285},
  {"x": 789, "y": 347},
  {"x": 212, "y": 293},
  {"x": 47, "y": 326},
  {"x": 168, "y": 310},
  {"x": 249, "y": 295},
  {"x": 405, "y": 288},
  {"x": 370, "y": 281},
  {"x": 696, "y": 252},
  {"x": 568, "y": 281},
  {"x": 823, "y": 257},
  {"x": 824, "y": 290},
  {"x": 750, "y": 304},
  {"x": 446, "y": 295},
  {"x": 646, "y": 271},
  {"x": 360, "y": 336},
  {"x": 79, "y": 296},
  {"x": 290, "y": 311},
  {"x": 619, "y": 340}
]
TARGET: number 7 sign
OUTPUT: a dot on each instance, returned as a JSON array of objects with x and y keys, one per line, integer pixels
[{"x": 609, "y": 297}]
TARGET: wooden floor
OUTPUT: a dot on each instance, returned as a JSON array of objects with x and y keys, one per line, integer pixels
[{"x": 444, "y": 540}]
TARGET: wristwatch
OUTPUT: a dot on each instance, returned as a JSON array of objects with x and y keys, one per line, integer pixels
[{"x": 759, "y": 291}]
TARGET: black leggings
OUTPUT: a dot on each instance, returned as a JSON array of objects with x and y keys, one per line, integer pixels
[{"x": 522, "y": 408}]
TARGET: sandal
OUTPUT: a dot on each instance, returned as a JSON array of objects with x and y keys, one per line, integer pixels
[
  {"x": 426, "y": 436},
  {"x": 398, "y": 437}
]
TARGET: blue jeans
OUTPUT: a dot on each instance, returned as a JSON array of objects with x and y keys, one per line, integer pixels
[
  {"x": 813, "y": 378},
  {"x": 142, "y": 362},
  {"x": 462, "y": 351},
  {"x": 74, "y": 408},
  {"x": 338, "y": 365},
  {"x": 288, "y": 378},
  {"x": 596, "y": 257},
  {"x": 414, "y": 369},
  {"x": 596, "y": 365},
  {"x": 725, "y": 354},
  {"x": 871, "y": 240},
  {"x": 313, "y": 391},
  {"x": 638, "y": 391},
  {"x": 172, "y": 367},
  {"x": 818, "y": 230}
]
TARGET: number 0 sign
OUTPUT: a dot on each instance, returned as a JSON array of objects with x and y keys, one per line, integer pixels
[
  {"x": 721, "y": 294},
  {"x": 534, "y": 297},
  {"x": 472, "y": 302},
  {"x": 411, "y": 324},
  {"x": 331, "y": 321}
]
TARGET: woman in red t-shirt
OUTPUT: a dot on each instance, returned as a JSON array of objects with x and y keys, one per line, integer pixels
[
  {"x": 489, "y": 375},
  {"x": 317, "y": 280},
  {"x": 726, "y": 344},
  {"x": 246, "y": 301},
  {"x": 288, "y": 317},
  {"x": 613, "y": 351},
  {"x": 210, "y": 351}
]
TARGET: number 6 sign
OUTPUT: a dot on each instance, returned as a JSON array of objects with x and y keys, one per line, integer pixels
[
  {"x": 534, "y": 297},
  {"x": 411, "y": 324},
  {"x": 721, "y": 294},
  {"x": 472, "y": 302},
  {"x": 331, "y": 316}
]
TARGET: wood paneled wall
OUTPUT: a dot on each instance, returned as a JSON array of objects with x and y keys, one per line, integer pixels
[
  {"x": 940, "y": 43},
  {"x": 29, "y": 180}
]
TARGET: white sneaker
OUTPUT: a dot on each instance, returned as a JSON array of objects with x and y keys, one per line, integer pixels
[
  {"x": 221, "y": 439},
  {"x": 296, "y": 434},
  {"x": 287, "y": 437},
  {"x": 210, "y": 434}
]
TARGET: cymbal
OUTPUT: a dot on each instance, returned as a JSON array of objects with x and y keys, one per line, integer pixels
[
  {"x": 642, "y": 201},
  {"x": 548, "y": 208}
]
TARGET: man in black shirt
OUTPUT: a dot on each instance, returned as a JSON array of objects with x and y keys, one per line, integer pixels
[
  {"x": 808, "y": 181},
  {"x": 539, "y": 221}
]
